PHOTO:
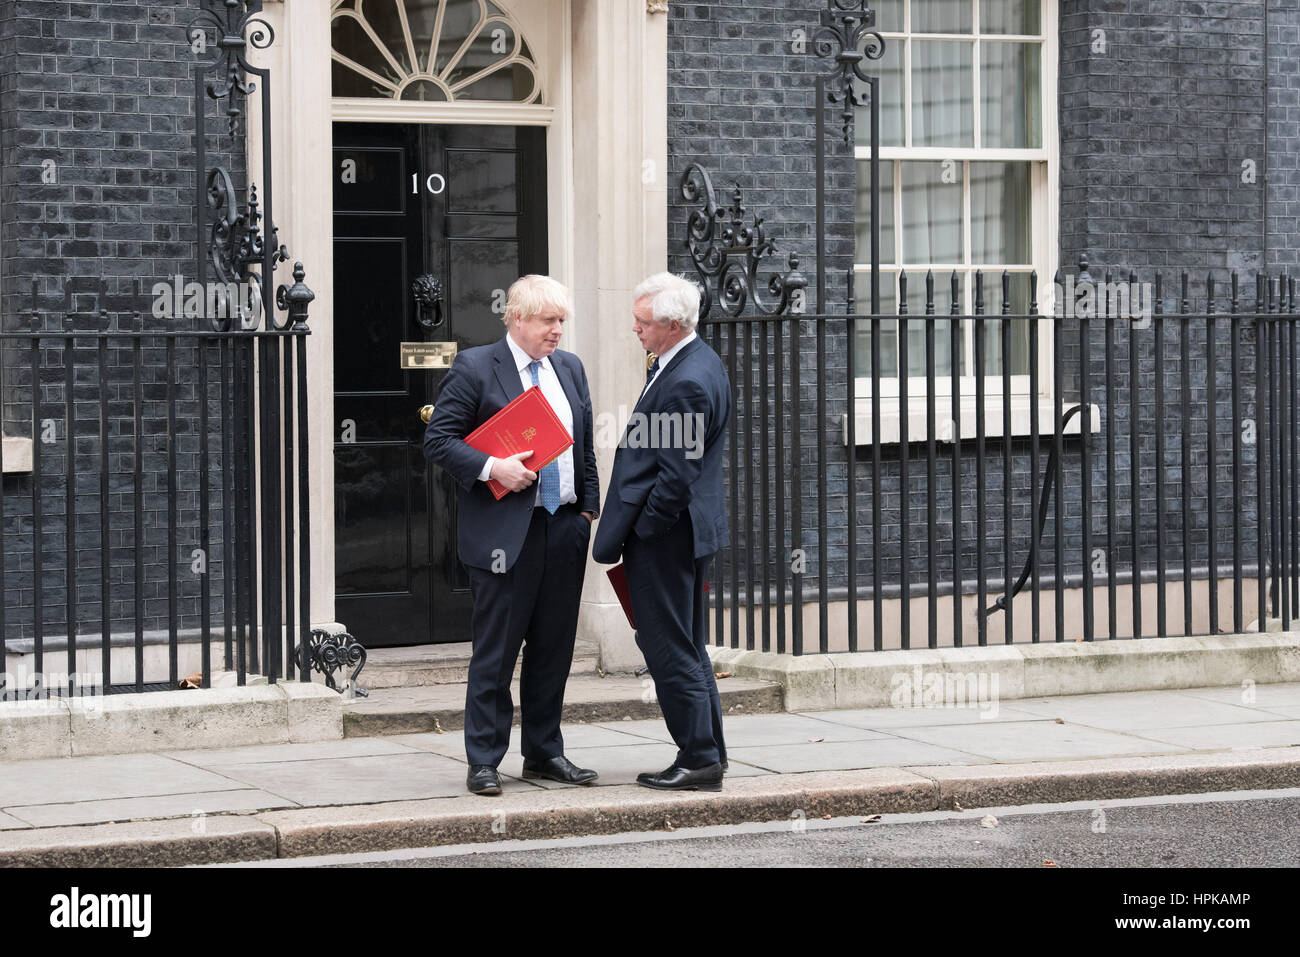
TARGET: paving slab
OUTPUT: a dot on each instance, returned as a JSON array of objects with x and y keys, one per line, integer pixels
[
  {"x": 1139, "y": 710},
  {"x": 193, "y": 806},
  {"x": 356, "y": 780},
  {"x": 101, "y": 777},
  {"x": 890, "y": 752},
  {"x": 263, "y": 753},
  {"x": 1036, "y": 742},
  {"x": 885, "y": 719},
  {"x": 1258, "y": 734},
  {"x": 1265, "y": 695}
]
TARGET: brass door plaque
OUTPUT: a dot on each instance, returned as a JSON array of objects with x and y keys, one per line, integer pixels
[{"x": 428, "y": 355}]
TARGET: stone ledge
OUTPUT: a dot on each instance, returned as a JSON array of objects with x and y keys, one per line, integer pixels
[
  {"x": 197, "y": 718},
  {"x": 17, "y": 455},
  {"x": 874, "y": 679}
]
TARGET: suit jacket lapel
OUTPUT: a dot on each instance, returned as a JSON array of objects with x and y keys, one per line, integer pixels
[{"x": 506, "y": 371}]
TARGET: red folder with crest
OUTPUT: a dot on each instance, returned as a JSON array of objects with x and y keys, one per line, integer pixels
[{"x": 528, "y": 422}]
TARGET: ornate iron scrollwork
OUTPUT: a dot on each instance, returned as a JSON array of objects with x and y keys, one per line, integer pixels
[
  {"x": 427, "y": 291},
  {"x": 330, "y": 653},
  {"x": 728, "y": 254},
  {"x": 236, "y": 245},
  {"x": 846, "y": 35},
  {"x": 231, "y": 20}
]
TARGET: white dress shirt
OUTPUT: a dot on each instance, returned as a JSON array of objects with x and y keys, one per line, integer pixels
[
  {"x": 554, "y": 394},
  {"x": 666, "y": 358}
]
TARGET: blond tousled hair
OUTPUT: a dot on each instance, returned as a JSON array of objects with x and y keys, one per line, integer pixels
[{"x": 532, "y": 295}]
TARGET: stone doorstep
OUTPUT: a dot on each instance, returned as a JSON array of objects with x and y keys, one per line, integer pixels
[
  {"x": 421, "y": 665},
  {"x": 286, "y": 712},
  {"x": 873, "y": 679},
  {"x": 574, "y": 812},
  {"x": 587, "y": 698}
]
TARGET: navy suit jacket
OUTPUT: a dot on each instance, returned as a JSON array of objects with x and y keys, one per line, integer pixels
[
  {"x": 480, "y": 383},
  {"x": 651, "y": 486}
]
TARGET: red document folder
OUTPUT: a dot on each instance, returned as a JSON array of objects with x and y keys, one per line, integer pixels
[
  {"x": 528, "y": 422},
  {"x": 618, "y": 578}
]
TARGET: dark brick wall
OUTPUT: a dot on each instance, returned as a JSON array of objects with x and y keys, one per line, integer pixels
[
  {"x": 103, "y": 91},
  {"x": 1284, "y": 135}
]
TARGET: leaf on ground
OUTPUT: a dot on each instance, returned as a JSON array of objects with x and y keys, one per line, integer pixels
[
  {"x": 988, "y": 820},
  {"x": 1049, "y": 863},
  {"x": 826, "y": 817},
  {"x": 668, "y": 825},
  {"x": 437, "y": 727},
  {"x": 192, "y": 681},
  {"x": 870, "y": 820},
  {"x": 1060, "y": 721},
  {"x": 722, "y": 674},
  {"x": 815, "y": 740}
]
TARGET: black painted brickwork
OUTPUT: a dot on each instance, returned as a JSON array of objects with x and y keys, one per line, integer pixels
[{"x": 104, "y": 90}]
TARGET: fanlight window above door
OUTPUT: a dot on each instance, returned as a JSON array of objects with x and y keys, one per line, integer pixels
[{"x": 435, "y": 50}]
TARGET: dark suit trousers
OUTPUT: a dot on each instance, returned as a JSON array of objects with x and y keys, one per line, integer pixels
[
  {"x": 533, "y": 605},
  {"x": 666, "y": 586}
]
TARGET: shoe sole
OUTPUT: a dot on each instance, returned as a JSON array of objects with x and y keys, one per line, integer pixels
[
  {"x": 534, "y": 775},
  {"x": 689, "y": 787}
]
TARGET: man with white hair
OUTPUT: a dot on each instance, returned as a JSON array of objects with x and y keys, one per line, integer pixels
[
  {"x": 664, "y": 516},
  {"x": 526, "y": 554}
]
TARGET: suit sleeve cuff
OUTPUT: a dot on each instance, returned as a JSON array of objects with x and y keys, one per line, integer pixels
[{"x": 486, "y": 472}]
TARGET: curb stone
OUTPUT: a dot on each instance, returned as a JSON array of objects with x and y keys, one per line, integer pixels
[{"x": 573, "y": 812}]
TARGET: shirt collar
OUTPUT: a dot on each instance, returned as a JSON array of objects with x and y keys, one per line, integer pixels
[
  {"x": 523, "y": 359},
  {"x": 667, "y": 357}
]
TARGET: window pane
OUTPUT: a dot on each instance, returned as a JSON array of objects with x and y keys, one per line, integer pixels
[
  {"x": 889, "y": 69},
  {"x": 862, "y": 218},
  {"x": 993, "y": 327},
  {"x": 943, "y": 111},
  {"x": 889, "y": 16},
  {"x": 916, "y": 355},
  {"x": 931, "y": 214},
  {"x": 888, "y": 328},
  {"x": 1010, "y": 16},
  {"x": 1010, "y": 95},
  {"x": 1001, "y": 209},
  {"x": 943, "y": 16}
]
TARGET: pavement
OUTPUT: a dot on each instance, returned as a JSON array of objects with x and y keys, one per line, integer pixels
[{"x": 407, "y": 790}]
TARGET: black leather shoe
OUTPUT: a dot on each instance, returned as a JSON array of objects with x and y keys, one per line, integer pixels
[
  {"x": 558, "y": 769},
  {"x": 708, "y": 778},
  {"x": 483, "y": 779}
]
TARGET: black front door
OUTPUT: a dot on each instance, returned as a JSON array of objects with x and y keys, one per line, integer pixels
[{"x": 431, "y": 226}]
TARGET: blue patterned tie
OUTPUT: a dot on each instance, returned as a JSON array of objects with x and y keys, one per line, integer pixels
[{"x": 550, "y": 475}]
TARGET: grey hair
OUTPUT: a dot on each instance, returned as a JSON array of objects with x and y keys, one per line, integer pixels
[{"x": 674, "y": 297}]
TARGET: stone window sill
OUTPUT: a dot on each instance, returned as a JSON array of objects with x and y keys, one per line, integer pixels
[
  {"x": 17, "y": 454},
  {"x": 891, "y": 419}
]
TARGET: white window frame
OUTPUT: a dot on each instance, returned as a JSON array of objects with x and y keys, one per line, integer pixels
[{"x": 1045, "y": 225}]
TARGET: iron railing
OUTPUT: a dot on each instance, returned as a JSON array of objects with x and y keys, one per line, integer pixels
[
  {"x": 1176, "y": 460},
  {"x": 156, "y": 448}
]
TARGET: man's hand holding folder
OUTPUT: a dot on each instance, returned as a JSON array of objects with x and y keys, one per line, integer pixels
[{"x": 526, "y": 431}]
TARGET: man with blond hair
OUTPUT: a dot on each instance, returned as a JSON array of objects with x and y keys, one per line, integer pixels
[
  {"x": 664, "y": 516},
  {"x": 525, "y": 554}
]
